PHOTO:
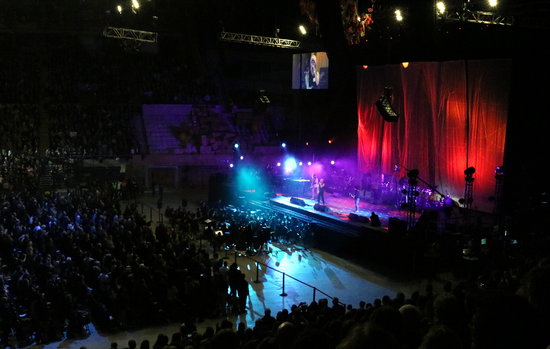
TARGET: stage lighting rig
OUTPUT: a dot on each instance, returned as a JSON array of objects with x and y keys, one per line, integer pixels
[
  {"x": 464, "y": 12},
  {"x": 260, "y": 40},
  {"x": 130, "y": 34}
]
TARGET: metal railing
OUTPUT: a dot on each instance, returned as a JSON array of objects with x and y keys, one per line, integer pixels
[{"x": 315, "y": 290}]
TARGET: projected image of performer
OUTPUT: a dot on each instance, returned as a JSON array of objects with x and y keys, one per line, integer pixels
[
  {"x": 321, "y": 192},
  {"x": 314, "y": 187},
  {"x": 313, "y": 76}
]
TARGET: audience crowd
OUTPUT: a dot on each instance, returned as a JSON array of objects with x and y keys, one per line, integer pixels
[{"x": 68, "y": 259}]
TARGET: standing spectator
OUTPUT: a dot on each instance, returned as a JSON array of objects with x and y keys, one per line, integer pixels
[{"x": 242, "y": 289}]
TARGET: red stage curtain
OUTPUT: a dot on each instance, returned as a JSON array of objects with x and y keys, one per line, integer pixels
[{"x": 452, "y": 116}]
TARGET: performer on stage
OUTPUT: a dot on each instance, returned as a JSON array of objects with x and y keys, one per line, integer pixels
[
  {"x": 314, "y": 187},
  {"x": 321, "y": 194},
  {"x": 355, "y": 196}
]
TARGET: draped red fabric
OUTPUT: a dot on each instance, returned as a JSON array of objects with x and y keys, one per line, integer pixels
[{"x": 452, "y": 116}]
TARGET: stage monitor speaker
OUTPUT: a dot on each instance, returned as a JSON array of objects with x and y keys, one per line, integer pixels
[
  {"x": 357, "y": 218},
  {"x": 321, "y": 208},
  {"x": 297, "y": 201},
  {"x": 396, "y": 226}
]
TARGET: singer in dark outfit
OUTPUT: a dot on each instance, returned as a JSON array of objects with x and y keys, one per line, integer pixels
[{"x": 321, "y": 194}]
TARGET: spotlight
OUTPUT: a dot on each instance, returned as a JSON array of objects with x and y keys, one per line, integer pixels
[
  {"x": 398, "y": 15},
  {"x": 499, "y": 172},
  {"x": 290, "y": 165},
  {"x": 300, "y": 163},
  {"x": 493, "y": 3},
  {"x": 440, "y": 6},
  {"x": 231, "y": 165},
  {"x": 283, "y": 145},
  {"x": 302, "y": 29},
  {"x": 405, "y": 64},
  {"x": 309, "y": 163},
  {"x": 119, "y": 9},
  {"x": 242, "y": 157},
  {"x": 332, "y": 162},
  {"x": 236, "y": 145},
  {"x": 279, "y": 164},
  {"x": 469, "y": 171}
]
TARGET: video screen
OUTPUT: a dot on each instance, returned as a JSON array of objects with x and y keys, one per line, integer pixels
[{"x": 310, "y": 71}]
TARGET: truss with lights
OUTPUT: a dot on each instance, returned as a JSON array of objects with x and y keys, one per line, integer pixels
[
  {"x": 130, "y": 34},
  {"x": 480, "y": 17},
  {"x": 259, "y": 40}
]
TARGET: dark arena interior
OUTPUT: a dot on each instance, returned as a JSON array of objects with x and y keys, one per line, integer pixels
[{"x": 179, "y": 174}]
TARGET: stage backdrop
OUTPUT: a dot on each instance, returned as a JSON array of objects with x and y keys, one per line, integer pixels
[{"x": 452, "y": 115}]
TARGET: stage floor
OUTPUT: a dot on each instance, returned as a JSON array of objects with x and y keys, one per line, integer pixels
[{"x": 340, "y": 207}]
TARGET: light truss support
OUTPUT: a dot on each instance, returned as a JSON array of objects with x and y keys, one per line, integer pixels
[
  {"x": 480, "y": 17},
  {"x": 259, "y": 40},
  {"x": 130, "y": 34}
]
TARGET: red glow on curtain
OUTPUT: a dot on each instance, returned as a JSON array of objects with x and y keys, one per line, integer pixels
[{"x": 452, "y": 116}]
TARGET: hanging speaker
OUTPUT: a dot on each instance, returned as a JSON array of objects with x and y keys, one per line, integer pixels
[{"x": 384, "y": 106}]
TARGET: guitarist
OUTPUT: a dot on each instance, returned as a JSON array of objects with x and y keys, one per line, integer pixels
[{"x": 355, "y": 196}]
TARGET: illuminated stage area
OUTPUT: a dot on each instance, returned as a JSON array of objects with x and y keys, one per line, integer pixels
[{"x": 339, "y": 213}]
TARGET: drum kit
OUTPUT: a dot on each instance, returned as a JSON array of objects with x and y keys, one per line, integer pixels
[{"x": 424, "y": 196}]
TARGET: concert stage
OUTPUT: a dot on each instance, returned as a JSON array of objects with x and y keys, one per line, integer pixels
[{"x": 338, "y": 214}]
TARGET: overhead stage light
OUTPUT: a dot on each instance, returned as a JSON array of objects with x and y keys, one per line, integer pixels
[
  {"x": 440, "y": 6},
  {"x": 398, "y": 15},
  {"x": 302, "y": 30}
]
